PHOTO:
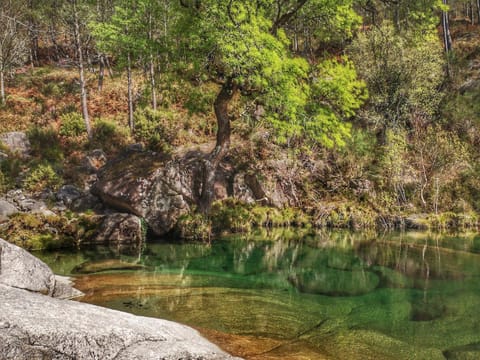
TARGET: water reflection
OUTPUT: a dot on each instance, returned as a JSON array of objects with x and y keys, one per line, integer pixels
[{"x": 284, "y": 295}]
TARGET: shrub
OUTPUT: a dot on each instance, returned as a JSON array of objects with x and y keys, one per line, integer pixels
[
  {"x": 41, "y": 177},
  {"x": 45, "y": 144},
  {"x": 108, "y": 135},
  {"x": 156, "y": 128},
  {"x": 72, "y": 124}
]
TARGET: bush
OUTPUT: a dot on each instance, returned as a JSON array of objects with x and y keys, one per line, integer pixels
[
  {"x": 45, "y": 144},
  {"x": 41, "y": 177},
  {"x": 157, "y": 129},
  {"x": 72, "y": 125},
  {"x": 109, "y": 136}
]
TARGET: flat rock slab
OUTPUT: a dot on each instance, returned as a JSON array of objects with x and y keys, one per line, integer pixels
[{"x": 34, "y": 326}]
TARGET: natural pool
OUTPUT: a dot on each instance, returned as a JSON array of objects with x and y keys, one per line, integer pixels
[{"x": 287, "y": 295}]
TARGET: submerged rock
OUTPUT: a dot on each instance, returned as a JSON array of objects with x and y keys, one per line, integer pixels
[
  {"x": 91, "y": 267},
  {"x": 335, "y": 282}
]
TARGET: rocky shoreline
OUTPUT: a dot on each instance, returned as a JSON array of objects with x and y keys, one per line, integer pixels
[{"x": 38, "y": 322}]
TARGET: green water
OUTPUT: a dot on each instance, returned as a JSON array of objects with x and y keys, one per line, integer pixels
[{"x": 286, "y": 295}]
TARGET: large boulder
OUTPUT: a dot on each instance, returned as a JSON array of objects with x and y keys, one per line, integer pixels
[
  {"x": 33, "y": 326},
  {"x": 16, "y": 142},
  {"x": 150, "y": 186},
  {"x": 120, "y": 229},
  {"x": 22, "y": 270}
]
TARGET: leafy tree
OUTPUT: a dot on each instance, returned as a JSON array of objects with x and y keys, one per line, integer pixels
[
  {"x": 404, "y": 74},
  {"x": 249, "y": 53}
]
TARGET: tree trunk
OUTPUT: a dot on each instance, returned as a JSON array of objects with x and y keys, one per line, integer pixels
[
  {"x": 2, "y": 87},
  {"x": 130, "y": 93},
  {"x": 447, "y": 39},
  {"x": 101, "y": 72},
  {"x": 478, "y": 12},
  {"x": 152, "y": 83},
  {"x": 152, "y": 65},
  {"x": 83, "y": 88},
  {"x": 222, "y": 145}
]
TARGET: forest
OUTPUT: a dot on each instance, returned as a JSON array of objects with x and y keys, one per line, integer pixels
[{"x": 340, "y": 113}]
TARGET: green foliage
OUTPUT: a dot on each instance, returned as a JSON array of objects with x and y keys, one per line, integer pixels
[
  {"x": 41, "y": 177},
  {"x": 336, "y": 95},
  {"x": 236, "y": 216},
  {"x": 72, "y": 125},
  {"x": 109, "y": 135},
  {"x": 157, "y": 129},
  {"x": 38, "y": 232},
  {"x": 200, "y": 100},
  {"x": 403, "y": 73},
  {"x": 194, "y": 226},
  {"x": 45, "y": 144}
]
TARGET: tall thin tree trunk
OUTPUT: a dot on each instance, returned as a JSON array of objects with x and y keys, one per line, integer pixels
[
  {"x": 83, "y": 88},
  {"x": 447, "y": 38},
  {"x": 152, "y": 83},
  {"x": 222, "y": 145},
  {"x": 2, "y": 87},
  {"x": 152, "y": 65},
  {"x": 101, "y": 72},
  {"x": 478, "y": 11},
  {"x": 130, "y": 93}
]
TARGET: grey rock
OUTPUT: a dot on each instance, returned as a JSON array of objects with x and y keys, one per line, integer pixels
[
  {"x": 20, "y": 269},
  {"x": 86, "y": 202},
  {"x": 94, "y": 160},
  {"x": 68, "y": 194},
  {"x": 64, "y": 288},
  {"x": 149, "y": 186},
  {"x": 7, "y": 209},
  {"x": 16, "y": 142},
  {"x": 39, "y": 327},
  {"x": 120, "y": 229}
]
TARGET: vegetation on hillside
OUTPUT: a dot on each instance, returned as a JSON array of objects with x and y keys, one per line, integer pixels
[{"x": 356, "y": 108}]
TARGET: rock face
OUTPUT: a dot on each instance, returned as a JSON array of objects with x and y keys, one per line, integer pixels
[
  {"x": 35, "y": 326},
  {"x": 160, "y": 190},
  {"x": 149, "y": 186},
  {"x": 22, "y": 270},
  {"x": 16, "y": 142},
  {"x": 120, "y": 229},
  {"x": 6, "y": 209}
]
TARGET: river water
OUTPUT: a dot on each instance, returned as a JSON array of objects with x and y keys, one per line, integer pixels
[{"x": 290, "y": 295}]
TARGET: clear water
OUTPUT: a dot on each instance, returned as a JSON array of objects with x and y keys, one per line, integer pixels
[{"x": 284, "y": 295}]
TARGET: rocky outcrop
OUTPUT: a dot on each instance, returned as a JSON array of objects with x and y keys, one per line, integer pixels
[
  {"x": 160, "y": 189},
  {"x": 16, "y": 142},
  {"x": 120, "y": 229},
  {"x": 149, "y": 186}
]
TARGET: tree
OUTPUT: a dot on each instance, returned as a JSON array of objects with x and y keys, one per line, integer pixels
[
  {"x": 247, "y": 51},
  {"x": 13, "y": 49},
  {"x": 122, "y": 35},
  {"x": 79, "y": 51}
]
